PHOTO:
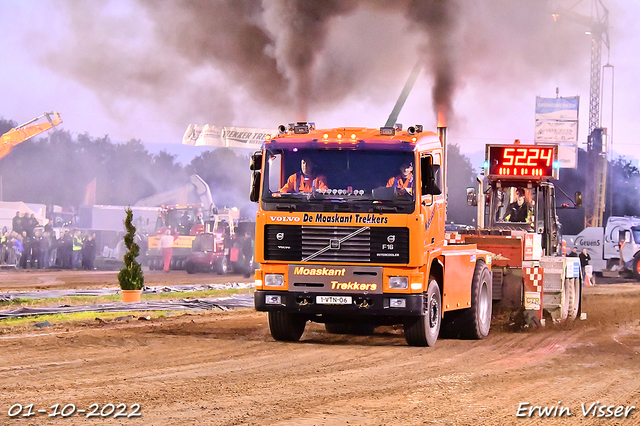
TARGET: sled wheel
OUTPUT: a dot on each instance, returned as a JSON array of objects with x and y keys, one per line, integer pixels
[{"x": 573, "y": 296}]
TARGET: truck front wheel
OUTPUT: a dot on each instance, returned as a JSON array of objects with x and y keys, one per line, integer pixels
[
  {"x": 285, "y": 326},
  {"x": 424, "y": 330}
]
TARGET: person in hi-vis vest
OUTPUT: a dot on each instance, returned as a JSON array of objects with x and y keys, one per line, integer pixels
[
  {"x": 404, "y": 181},
  {"x": 306, "y": 179}
]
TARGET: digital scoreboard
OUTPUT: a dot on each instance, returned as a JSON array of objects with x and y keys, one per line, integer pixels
[{"x": 522, "y": 161}]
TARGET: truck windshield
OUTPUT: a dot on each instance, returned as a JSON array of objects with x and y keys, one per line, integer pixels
[
  {"x": 635, "y": 230},
  {"x": 339, "y": 180}
]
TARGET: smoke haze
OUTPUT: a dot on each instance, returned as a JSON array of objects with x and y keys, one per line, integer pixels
[{"x": 295, "y": 58}]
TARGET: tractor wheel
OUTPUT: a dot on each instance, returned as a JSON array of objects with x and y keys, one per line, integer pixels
[
  {"x": 424, "y": 329},
  {"x": 222, "y": 266},
  {"x": 636, "y": 266},
  {"x": 190, "y": 268},
  {"x": 476, "y": 320},
  {"x": 285, "y": 326}
]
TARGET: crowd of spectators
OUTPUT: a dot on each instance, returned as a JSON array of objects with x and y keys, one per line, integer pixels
[{"x": 28, "y": 245}]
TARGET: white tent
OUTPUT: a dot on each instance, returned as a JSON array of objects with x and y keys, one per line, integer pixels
[{"x": 8, "y": 210}]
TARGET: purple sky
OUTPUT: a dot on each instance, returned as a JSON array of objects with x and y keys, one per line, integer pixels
[{"x": 146, "y": 70}]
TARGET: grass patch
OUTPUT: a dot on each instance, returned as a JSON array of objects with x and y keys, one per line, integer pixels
[
  {"x": 84, "y": 317},
  {"x": 93, "y": 300}
]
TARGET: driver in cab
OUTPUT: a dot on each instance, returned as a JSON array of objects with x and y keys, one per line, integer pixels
[
  {"x": 403, "y": 181},
  {"x": 306, "y": 179},
  {"x": 519, "y": 210}
]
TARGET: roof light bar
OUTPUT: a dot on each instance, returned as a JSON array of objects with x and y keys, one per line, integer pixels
[{"x": 301, "y": 127}]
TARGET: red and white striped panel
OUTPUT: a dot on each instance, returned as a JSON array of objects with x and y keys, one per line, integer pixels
[
  {"x": 453, "y": 238},
  {"x": 534, "y": 275}
]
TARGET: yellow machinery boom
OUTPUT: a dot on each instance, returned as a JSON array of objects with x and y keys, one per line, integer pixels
[{"x": 28, "y": 130}]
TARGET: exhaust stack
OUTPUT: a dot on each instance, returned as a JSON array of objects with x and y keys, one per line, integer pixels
[{"x": 442, "y": 135}]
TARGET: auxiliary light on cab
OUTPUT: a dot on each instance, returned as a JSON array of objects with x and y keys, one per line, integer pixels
[
  {"x": 397, "y": 303},
  {"x": 273, "y": 299},
  {"x": 387, "y": 131}
]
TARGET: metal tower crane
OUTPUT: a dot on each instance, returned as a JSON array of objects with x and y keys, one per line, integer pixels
[{"x": 598, "y": 24}]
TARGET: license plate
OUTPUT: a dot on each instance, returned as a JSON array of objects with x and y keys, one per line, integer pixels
[{"x": 333, "y": 300}]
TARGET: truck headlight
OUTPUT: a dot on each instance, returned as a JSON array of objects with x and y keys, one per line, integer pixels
[
  {"x": 399, "y": 283},
  {"x": 273, "y": 280}
]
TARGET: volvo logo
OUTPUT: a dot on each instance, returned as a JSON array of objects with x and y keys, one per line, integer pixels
[
  {"x": 280, "y": 236},
  {"x": 391, "y": 239},
  {"x": 334, "y": 244}
]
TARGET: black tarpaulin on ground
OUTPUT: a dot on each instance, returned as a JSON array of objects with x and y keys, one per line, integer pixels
[{"x": 223, "y": 303}]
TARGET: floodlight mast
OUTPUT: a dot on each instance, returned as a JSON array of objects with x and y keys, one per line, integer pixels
[{"x": 598, "y": 24}]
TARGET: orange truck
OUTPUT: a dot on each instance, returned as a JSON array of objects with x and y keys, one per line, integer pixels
[{"x": 358, "y": 240}]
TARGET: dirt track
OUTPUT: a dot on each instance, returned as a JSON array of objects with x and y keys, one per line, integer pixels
[{"x": 223, "y": 368}]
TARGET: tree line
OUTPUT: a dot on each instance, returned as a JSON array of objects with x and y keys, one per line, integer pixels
[{"x": 57, "y": 168}]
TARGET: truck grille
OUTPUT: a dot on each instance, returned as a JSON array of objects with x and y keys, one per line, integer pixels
[{"x": 299, "y": 243}]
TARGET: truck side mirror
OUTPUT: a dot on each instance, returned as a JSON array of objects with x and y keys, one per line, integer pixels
[
  {"x": 431, "y": 179},
  {"x": 472, "y": 198},
  {"x": 254, "y": 195},
  {"x": 256, "y": 161},
  {"x": 578, "y": 199}
]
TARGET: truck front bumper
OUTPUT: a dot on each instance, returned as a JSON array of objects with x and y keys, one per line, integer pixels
[{"x": 387, "y": 304}]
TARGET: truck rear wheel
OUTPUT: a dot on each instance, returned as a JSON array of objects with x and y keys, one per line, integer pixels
[
  {"x": 285, "y": 326},
  {"x": 476, "y": 320},
  {"x": 424, "y": 330}
]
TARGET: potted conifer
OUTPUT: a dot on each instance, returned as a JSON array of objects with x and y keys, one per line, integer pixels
[{"x": 131, "y": 277}]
